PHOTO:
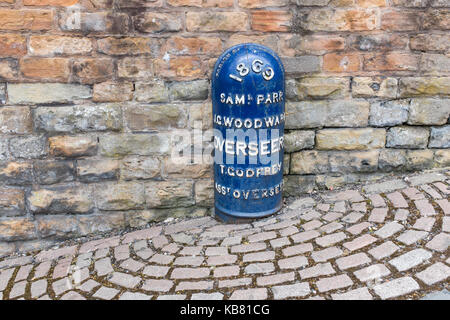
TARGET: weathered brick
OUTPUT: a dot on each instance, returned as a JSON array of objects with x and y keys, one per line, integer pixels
[
  {"x": 391, "y": 62},
  {"x": 354, "y": 139},
  {"x": 133, "y": 144},
  {"x": 395, "y": 20},
  {"x": 12, "y": 45},
  {"x": 93, "y": 70},
  {"x": 141, "y": 118},
  {"x": 128, "y": 46},
  {"x": 12, "y": 202},
  {"x": 152, "y": 22},
  {"x": 341, "y": 62},
  {"x": 424, "y": 86},
  {"x": 45, "y": 93},
  {"x": 216, "y": 21},
  {"x": 45, "y": 45},
  {"x": 9, "y": 70},
  {"x": 57, "y": 69},
  {"x": 428, "y": 111},
  {"x": 407, "y": 137},
  {"x": 436, "y": 20},
  {"x": 97, "y": 170},
  {"x": 292, "y": 45},
  {"x": 339, "y": 20},
  {"x": 113, "y": 92},
  {"x": 51, "y": 172},
  {"x": 430, "y": 42},
  {"x": 365, "y": 87},
  {"x": 61, "y": 200},
  {"x": 271, "y": 21},
  {"x": 439, "y": 137},
  {"x": 17, "y": 229},
  {"x": 16, "y": 120},
  {"x": 96, "y": 22},
  {"x": 78, "y": 118}
]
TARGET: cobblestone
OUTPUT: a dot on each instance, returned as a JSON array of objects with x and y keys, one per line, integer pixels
[
  {"x": 293, "y": 262},
  {"x": 357, "y": 294},
  {"x": 411, "y": 236},
  {"x": 336, "y": 246},
  {"x": 323, "y": 269},
  {"x": 333, "y": 283},
  {"x": 396, "y": 287},
  {"x": 352, "y": 261},
  {"x": 326, "y": 254},
  {"x": 124, "y": 280},
  {"x": 249, "y": 294},
  {"x": 389, "y": 229},
  {"x": 373, "y": 272},
  {"x": 410, "y": 259},
  {"x": 383, "y": 250},
  {"x": 435, "y": 273},
  {"x": 360, "y": 242},
  {"x": 106, "y": 293},
  {"x": 425, "y": 223},
  {"x": 291, "y": 291},
  {"x": 256, "y": 268},
  {"x": 439, "y": 243}
]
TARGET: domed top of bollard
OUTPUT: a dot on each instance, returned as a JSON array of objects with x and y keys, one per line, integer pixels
[{"x": 247, "y": 67}]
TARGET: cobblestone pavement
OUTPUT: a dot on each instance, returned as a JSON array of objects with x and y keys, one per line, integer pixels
[{"x": 380, "y": 241}]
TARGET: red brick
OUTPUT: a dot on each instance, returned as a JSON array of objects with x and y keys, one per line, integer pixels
[
  {"x": 91, "y": 70},
  {"x": 61, "y": 3},
  {"x": 9, "y": 69},
  {"x": 437, "y": 20},
  {"x": 185, "y": 3},
  {"x": 262, "y": 3},
  {"x": 193, "y": 46},
  {"x": 271, "y": 21},
  {"x": 400, "y": 20},
  {"x": 392, "y": 61},
  {"x": 371, "y": 3},
  {"x": 216, "y": 21},
  {"x": 26, "y": 19},
  {"x": 43, "y": 45},
  {"x": 128, "y": 46},
  {"x": 341, "y": 62},
  {"x": 181, "y": 68},
  {"x": 45, "y": 68},
  {"x": 12, "y": 45}
]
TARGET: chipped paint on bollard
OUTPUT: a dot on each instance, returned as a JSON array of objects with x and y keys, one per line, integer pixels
[{"x": 248, "y": 97}]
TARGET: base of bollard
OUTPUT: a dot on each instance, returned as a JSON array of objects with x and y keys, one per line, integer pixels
[{"x": 241, "y": 218}]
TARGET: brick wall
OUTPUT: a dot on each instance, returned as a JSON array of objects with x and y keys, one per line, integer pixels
[{"x": 90, "y": 91}]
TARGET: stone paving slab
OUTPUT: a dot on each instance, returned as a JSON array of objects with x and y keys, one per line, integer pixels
[{"x": 385, "y": 240}]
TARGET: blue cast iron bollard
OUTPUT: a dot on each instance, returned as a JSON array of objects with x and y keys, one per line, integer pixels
[{"x": 248, "y": 97}]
